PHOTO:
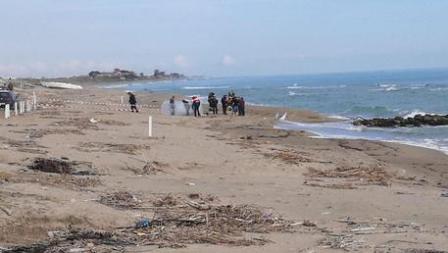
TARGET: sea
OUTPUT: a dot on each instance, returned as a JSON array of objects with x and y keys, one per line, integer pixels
[{"x": 342, "y": 96}]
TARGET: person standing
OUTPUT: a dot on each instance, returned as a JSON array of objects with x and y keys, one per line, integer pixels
[
  {"x": 10, "y": 85},
  {"x": 173, "y": 106},
  {"x": 195, "y": 105},
  {"x": 132, "y": 102},
  {"x": 241, "y": 107},
  {"x": 213, "y": 102},
  {"x": 187, "y": 106},
  {"x": 224, "y": 104},
  {"x": 235, "y": 105}
]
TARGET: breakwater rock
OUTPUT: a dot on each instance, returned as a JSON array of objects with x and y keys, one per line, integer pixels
[{"x": 416, "y": 121}]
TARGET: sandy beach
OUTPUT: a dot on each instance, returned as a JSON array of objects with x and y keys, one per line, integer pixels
[{"x": 210, "y": 184}]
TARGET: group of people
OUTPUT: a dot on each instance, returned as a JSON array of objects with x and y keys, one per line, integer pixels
[
  {"x": 230, "y": 102},
  {"x": 195, "y": 105},
  {"x": 237, "y": 105}
]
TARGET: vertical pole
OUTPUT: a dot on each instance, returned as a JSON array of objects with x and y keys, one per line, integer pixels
[
  {"x": 150, "y": 126},
  {"x": 34, "y": 101},
  {"x": 7, "y": 111},
  {"x": 15, "y": 109},
  {"x": 122, "y": 100},
  {"x": 28, "y": 106},
  {"x": 22, "y": 106}
]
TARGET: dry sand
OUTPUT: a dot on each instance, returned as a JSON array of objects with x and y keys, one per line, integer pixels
[{"x": 287, "y": 192}]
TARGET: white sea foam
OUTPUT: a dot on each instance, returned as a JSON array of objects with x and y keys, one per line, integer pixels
[
  {"x": 205, "y": 87},
  {"x": 439, "y": 89},
  {"x": 414, "y": 113},
  {"x": 386, "y": 87},
  {"x": 114, "y": 86},
  {"x": 337, "y": 117}
]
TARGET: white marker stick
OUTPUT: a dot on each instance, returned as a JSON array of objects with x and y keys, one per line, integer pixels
[
  {"x": 22, "y": 106},
  {"x": 34, "y": 101},
  {"x": 7, "y": 111},
  {"x": 150, "y": 126},
  {"x": 15, "y": 109},
  {"x": 122, "y": 100}
]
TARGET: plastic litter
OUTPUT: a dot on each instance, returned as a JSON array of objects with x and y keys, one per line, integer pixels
[{"x": 143, "y": 223}]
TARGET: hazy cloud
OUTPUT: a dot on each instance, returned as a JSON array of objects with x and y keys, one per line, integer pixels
[
  {"x": 228, "y": 60},
  {"x": 181, "y": 61}
]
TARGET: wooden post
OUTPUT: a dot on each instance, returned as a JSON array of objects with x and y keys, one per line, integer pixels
[
  {"x": 122, "y": 100},
  {"x": 150, "y": 126},
  {"x": 7, "y": 111},
  {"x": 15, "y": 109}
]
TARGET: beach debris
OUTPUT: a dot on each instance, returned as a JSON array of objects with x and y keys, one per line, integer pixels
[
  {"x": 308, "y": 223},
  {"x": 445, "y": 194},
  {"x": 143, "y": 223},
  {"x": 111, "y": 122},
  {"x": 51, "y": 166},
  {"x": 290, "y": 156},
  {"x": 93, "y": 120},
  {"x": 131, "y": 149},
  {"x": 39, "y": 133},
  {"x": 120, "y": 200},
  {"x": 5, "y": 176},
  {"x": 5, "y": 210},
  {"x": 62, "y": 166},
  {"x": 26, "y": 146},
  {"x": 361, "y": 175},
  {"x": 343, "y": 241},
  {"x": 152, "y": 168},
  {"x": 174, "y": 225},
  {"x": 83, "y": 123}
]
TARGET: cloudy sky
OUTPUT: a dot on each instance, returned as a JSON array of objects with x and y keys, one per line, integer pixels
[{"x": 221, "y": 37}]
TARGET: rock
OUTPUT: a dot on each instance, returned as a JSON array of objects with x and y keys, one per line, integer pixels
[{"x": 417, "y": 121}]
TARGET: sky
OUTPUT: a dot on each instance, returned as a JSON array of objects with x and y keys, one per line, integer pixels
[{"x": 221, "y": 37}]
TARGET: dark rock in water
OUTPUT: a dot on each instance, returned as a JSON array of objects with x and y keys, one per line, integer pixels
[{"x": 417, "y": 121}]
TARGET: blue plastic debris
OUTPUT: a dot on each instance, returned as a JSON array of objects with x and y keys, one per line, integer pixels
[{"x": 143, "y": 223}]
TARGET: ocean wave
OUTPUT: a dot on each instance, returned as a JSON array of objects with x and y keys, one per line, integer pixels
[
  {"x": 413, "y": 113},
  {"x": 387, "y": 87},
  {"x": 114, "y": 86},
  {"x": 338, "y": 117},
  {"x": 300, "y": 87},
  {"x": 295, "y": 86},
  {"x": 292, "y": 94},
  {"x": 439, "y": 89},
  {"x": 205, "y": 87}
]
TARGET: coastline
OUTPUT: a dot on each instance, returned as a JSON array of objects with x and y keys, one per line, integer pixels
[{"x": 238, "y": 160}]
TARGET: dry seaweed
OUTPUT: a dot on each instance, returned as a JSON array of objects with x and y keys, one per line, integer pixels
[
  {"x": 131, "y": 149},
  {"x": 61, "y": 166},
  {"x": 371, "y": 175},
  {"x": 52, "y": 166}
]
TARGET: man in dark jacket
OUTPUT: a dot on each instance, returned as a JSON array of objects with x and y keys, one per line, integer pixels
[
  {"x": 132, "y": 102},
  {"x": 241, "y": 107},
  {"x": 224, "y": 104}
]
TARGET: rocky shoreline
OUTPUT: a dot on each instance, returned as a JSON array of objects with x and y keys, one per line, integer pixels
[{"x": 416, "y": 121}]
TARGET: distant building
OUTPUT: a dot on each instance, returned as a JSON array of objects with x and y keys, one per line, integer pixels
[{"x": 117, "y": 73}]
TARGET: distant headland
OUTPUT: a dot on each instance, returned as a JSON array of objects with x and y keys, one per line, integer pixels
[{"x": 116, "y": 75}]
